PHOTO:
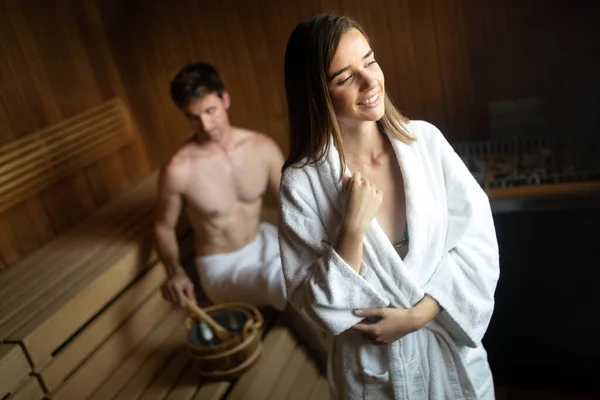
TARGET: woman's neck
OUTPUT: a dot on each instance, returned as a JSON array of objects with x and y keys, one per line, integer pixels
[{"x": 363, "y": 143}]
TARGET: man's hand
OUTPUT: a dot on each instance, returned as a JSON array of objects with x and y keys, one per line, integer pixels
[{"x": 177, "y": 288}]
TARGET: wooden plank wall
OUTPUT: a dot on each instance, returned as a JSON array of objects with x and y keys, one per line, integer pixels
[
  {"x": 55, "y": 62},
  {"x": 444, "y": 60}
]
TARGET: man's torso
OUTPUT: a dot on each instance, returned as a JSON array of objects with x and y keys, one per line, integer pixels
[{"x": 223, "y": 193}]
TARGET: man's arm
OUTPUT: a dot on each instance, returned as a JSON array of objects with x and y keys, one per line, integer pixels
[
  {"x": 167, "y": 215},
  {"x": 275, "y": 160}
]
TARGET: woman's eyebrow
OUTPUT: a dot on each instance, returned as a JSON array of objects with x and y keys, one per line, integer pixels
[{"x": 342, "y": 70}]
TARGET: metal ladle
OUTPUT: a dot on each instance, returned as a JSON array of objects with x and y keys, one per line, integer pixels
[{"x": 221, "y": 333}]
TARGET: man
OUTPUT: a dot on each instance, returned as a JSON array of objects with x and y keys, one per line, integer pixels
[{"x": 218, "y": 178}]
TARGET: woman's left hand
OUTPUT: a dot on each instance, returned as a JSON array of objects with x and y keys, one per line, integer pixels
[
  {"x": 395, "y": 323},
  {"x": 392, "y": 324}
]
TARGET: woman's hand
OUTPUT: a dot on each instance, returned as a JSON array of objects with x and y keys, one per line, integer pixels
[
  {"x": 392, "y": 324},
  {"x": 395, "y": 323},
  {"x": 362, "y": 203}
]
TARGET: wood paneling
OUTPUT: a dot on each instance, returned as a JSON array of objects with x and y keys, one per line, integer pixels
[
  {"x": 35, "y": 162},
  {"x": 55, "y": 62},
  {"x": 445, "y": 60}
]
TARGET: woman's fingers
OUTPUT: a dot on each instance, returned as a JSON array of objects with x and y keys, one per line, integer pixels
[{"x": 371, "y": 312}]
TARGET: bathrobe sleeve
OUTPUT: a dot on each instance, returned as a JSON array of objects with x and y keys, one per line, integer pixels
[
  {"x": 319, "y": 282},
  {"x": 464, "y": 281}
]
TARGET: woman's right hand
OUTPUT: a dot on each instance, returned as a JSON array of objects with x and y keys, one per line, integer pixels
[{"x": 362, "y": 203}]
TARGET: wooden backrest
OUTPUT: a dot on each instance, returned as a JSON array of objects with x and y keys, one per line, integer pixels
[
  {"x": 56, "y": 177},
  {"x": 36, "y": 161}
]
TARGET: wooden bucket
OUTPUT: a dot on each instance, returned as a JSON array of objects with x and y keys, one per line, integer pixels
[{"x": 232, "y": 358}]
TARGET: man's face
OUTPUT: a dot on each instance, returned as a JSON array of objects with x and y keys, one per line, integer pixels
[{"x": 208, "y": 115}]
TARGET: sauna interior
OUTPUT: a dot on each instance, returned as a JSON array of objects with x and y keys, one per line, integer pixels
[{"x": 86, "y": 122}]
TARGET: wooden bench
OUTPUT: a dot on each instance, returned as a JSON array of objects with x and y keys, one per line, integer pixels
[
  {"x": 94, "y": 285},
  {"x": 160, "y": 368},
  {"x": 96, "y": 282},
  {"x": 82, "y": 316},
  {"x": 14, "y": 373}
]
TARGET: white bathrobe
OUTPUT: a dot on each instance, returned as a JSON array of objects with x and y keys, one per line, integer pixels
[{"x": 453, "y": 257}]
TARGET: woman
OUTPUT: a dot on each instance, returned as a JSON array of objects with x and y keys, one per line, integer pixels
[{"x": 387, "y": 240}]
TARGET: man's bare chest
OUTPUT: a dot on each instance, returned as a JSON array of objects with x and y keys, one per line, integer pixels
[{"x": 216, "y": 187}]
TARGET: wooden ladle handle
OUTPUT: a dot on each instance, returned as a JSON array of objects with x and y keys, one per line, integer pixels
[{"x": 221, "y": 333}]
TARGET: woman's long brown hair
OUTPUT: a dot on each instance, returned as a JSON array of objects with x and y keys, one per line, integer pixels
[{"x": 312, "y": 121}]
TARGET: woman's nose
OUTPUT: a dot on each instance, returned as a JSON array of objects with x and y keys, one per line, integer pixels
[{"x": 367, "y": 81}]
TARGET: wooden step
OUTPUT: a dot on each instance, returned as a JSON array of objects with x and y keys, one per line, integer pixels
[
  {"x": 277, "y": 349},
  {"x": 186, "y": 387},
  {"x": 24, "y": 302},
  {"x": 284, "y": 371},
  {"x": 138, "y": 371},
  {"x": 104, "y": 218},
  {"x": 39, "y": 273},
  {"x": 103, "y": 362},
  {"x": 82, "y": 299},
  {"x": 14, "y": 368},
  {"x": 107, "y": 322},
  {"x": 31, "y": 389},
  {"x": 166, "y": 380},
  {"x": 289, "y": 374}
]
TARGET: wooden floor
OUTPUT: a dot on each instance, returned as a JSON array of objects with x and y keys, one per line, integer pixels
[
  {"x": 284, "y": 371},
  {"x": 159, "y": 368}
]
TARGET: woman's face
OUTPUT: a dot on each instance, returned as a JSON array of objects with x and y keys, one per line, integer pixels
[{"x": 356, "y": 82}]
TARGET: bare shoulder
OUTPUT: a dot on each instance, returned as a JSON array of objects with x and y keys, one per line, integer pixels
[
  {"x": 257, "y": 141},
  {"x": 174, "y": 173}
]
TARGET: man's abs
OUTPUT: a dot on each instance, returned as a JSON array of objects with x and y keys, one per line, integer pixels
[{"x": 225, "y": 232}]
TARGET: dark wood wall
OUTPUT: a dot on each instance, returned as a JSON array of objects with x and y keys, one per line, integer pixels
[
  {"x": 445, "y": 60},
  {"x": 55, "y": 61}
]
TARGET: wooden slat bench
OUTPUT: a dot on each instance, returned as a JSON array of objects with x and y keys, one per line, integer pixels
[
  {"x": 34, "y": 291},
  {"x": 112, "y": 285},
  {"x": 95, "y": 284},
  {"x": 134, "y": 348},
  {"x": 116, "y": 338},
  {"x": 156, "y": 365},
  {"x": 14, "y": 368},
  {"x": 82, "y": 316},
  {"x": 160, "y": 368},
  {"x": 31, "y": 389}
]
